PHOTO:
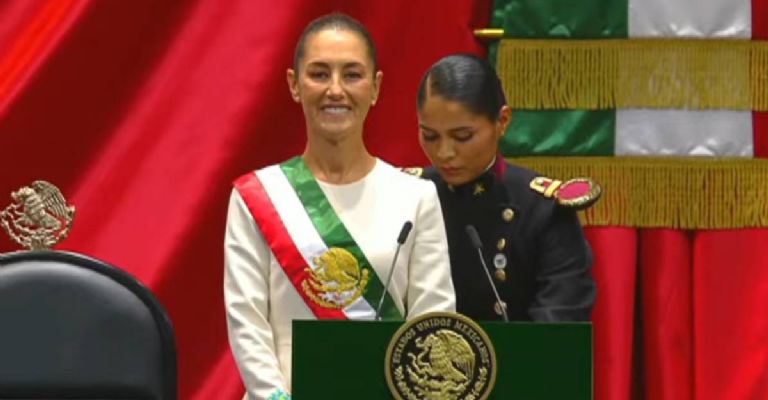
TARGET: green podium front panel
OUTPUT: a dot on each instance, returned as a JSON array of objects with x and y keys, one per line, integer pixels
[{"x": 345, "y": 360}]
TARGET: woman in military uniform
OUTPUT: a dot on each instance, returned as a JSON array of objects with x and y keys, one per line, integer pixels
[{"x": 532, "y": 241}]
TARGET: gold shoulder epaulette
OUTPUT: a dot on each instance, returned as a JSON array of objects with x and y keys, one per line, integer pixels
[
  {"x": 578, "y": 193},
  {"x": 415, "y": 171}
]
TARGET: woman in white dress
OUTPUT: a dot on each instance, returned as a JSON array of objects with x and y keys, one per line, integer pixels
[{"x": 313, "y": 237}]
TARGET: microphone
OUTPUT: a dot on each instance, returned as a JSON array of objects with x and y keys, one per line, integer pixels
[
  {"x": 474, "y": 238},
  {"x": 400, "y": 240}
]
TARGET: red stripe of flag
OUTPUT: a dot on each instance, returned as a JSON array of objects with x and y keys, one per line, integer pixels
[
  {"x": 760, "y": 119},
  {"x": 287, "y": 254}
]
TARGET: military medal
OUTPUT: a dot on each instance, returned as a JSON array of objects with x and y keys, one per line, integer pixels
[{"x": 500, "y": 261}]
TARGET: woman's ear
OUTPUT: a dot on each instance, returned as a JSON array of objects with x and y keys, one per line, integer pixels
[
  {"x": 293, "y": 84},
  {"x": 377, "y": 78},
  {"x": 505, "y": 117}
]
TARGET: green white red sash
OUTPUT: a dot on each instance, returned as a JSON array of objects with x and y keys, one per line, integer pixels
[{"x": 299, "y": 224}]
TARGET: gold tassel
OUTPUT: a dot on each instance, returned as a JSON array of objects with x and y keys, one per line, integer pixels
[
  {"x": 669, "y": 192},
  {"x": 635, "y": 73}
]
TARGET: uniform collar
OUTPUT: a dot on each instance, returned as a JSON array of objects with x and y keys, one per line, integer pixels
[
  {"x": 498, "y": 167},
  {"x": 482, "y": 183}
]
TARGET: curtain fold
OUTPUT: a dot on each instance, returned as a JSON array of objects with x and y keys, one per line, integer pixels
[
  {"x": 679, "y": 314},
  {"x": 730, "y": 294},
  {"x": 665, "y": 283},
  {"x": 615, "y": 271}
]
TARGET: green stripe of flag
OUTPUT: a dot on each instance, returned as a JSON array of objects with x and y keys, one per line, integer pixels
[{"x": 567, "y": 132}]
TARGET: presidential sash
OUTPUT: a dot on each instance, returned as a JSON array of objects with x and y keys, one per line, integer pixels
[{"x": 314, "y": 248}]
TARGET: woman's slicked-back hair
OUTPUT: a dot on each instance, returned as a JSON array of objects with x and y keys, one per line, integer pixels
[
  {"x": 334, "y": 21},
  {"x": 466, "y": 79}
]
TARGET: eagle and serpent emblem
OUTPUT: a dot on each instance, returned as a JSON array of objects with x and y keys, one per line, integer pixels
[
  {"x": 39, "y": 216},
  {"x": 338, "y": 280},
  {"x": 440, "y": 356}
]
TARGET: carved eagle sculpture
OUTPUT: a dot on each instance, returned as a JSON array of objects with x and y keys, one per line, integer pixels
[{"x": 39, "y": 217}]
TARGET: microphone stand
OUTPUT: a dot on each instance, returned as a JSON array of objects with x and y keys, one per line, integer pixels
[
  {"x": 474, "y": 238},
  {"x": 400, "y": 240}
]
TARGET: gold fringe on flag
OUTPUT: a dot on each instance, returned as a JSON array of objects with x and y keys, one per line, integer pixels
[
  {"x": 635, "y": 73},
  {"x": 680, "y": 193}
]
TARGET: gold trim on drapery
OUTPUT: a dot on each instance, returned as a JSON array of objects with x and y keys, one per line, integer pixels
[
  {"x": 635, "y": 73},
  {"x": 670, "y": 192}
]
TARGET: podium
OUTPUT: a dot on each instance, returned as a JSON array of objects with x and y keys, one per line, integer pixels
[{"x": 346, "y": 359}]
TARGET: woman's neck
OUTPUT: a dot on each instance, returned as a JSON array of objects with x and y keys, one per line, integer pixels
[{"x": 338, "y": 162}]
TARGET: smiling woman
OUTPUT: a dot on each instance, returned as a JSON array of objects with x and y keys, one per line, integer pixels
[
  {"x": 313, "y": 237},
  {"x": 336, "y": 81}
]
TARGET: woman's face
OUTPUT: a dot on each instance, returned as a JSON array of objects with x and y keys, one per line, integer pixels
[
  {"x": 460, "y": 143},
  {"x": 335, "y": 83}
]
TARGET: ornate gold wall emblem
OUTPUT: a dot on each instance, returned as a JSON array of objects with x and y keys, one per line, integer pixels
[
  {"x": 338, "y": 281},
  {"x": 39, "y": 217},
  {"x": 440, "y": 356}
]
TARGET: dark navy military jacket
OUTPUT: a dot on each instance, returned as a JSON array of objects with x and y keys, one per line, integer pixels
[{"x": 534, "y": 249}]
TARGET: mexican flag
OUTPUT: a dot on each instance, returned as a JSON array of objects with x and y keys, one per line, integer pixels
[
  {"x": 664, "y": 103},
  {"x": 683, "y": 112}
]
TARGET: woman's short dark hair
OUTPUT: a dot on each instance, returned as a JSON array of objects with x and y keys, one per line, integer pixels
[
  {"x": 466, "y": 79},
  {"x": 334, "y": 21}
]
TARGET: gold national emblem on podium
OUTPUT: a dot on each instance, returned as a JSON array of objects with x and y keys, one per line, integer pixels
[
  {"x": 440, "y": 356},
  {"x": 39, "y": 217},
  {"x": 338, "y": 280}
]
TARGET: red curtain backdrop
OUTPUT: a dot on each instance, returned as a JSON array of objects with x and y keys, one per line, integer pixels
[
  {"x": 680, "y": 314},
  {"x": 143, "y": 112}
]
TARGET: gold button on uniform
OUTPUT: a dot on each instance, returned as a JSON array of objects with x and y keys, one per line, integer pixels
[
  {"x": 501, "y": 244},
  {"x": 507, "y": 214},
  {"x": 500, "y": 262},
  {"x": 500, "y": 274}
]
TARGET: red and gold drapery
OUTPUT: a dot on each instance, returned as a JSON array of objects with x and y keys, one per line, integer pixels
[{"x": 143, "y": 112}]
